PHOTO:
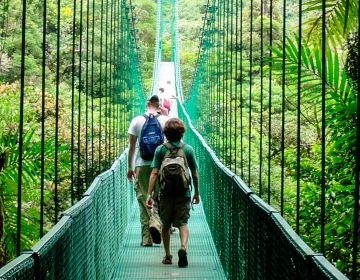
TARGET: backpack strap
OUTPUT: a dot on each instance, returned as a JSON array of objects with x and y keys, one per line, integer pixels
[
  {"x": 171, "y": 147},
  {"x": 155, "y": 115}
]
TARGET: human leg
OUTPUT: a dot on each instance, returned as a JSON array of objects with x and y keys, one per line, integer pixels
[
  {"x": 166, "y": 210},
  {"x": 182, "y": 215},
  {"x": 184, "y": 236},
  {"x": 165, "y": 233},
  {"x": 141, "y": 185}
]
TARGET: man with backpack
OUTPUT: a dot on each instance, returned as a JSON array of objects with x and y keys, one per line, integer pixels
[
  {"x": 171, "y": 164},
  {"x": 146, "y": 131}
]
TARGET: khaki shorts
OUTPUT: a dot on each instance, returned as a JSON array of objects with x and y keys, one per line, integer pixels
[{"x": 174, "y": 211}]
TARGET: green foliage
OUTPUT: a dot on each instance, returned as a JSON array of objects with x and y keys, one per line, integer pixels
[{"x": 341, "y": 19}]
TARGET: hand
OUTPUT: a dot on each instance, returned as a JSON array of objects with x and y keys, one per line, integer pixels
[
  {"x": 130, "y": 175},
  {"x": 195, "y": 199},
  {"x": 163, "y": 111},
  {"x": 149, "y": 202}
]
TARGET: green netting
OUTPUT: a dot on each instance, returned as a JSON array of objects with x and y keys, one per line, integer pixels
[
  {"x": 252, "y": 239},
  {"x": 85, "y": 242},
  {"x": 22, "y": 268},
  {"x": 49, "y": 252}
]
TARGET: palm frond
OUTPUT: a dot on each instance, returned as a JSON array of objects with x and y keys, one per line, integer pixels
[
  {"x": 341, "y": 18},
  {"x": 310, "y": 61}
]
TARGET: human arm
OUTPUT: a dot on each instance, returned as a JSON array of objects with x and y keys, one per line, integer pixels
[
  {"x": 153, "y": 177},
  {"x": 195, "y": 176},
  {"x": 163, "y": 111},
  {"x": 131, "y": 155},
  {"x": 194, "y": 173}
]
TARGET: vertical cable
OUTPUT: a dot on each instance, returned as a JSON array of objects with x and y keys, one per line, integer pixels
[
  {"x": 111, "y": 91},
  {"x": 87, "y": 181},
  {"x": 250, "y": 87},
  {"x": 213, "y": 69},
  {"x": 115, "y": 83},
  {"x": 236, "y": 84},
  {"x": 298, "y": 123},
  {"x": 283, "y": 81},
  {"x": 226, "y": 78},
  {"x": 21, "y": 127},
  {"x": 110, "y": 86},
  {"x": 218, "y": 77},
  {"x": 100, "y": 80},
  {"x": 73, "y": 104},
  {"x": 231, "y": 160},
  {"x": 43, "y": 85},
  {"x": 241, "y": 92},
  {"x": 223, "y": 82},
  {"x": 92, "y": 89},
  {"x": 106, "y": 85},
  {"x": 56, "y": 198},
  {"x": 270, "y": 97},
  {"x": 261, "y": 93},
  {"x": 121, "y": 75},
  {"x": 323, "y": 125},
  {"x": 122, "y": 56},
  {"x": 116, "y": 76},
  {"x": 79, "y": 180},
  {"x": 118, "y": 79}
]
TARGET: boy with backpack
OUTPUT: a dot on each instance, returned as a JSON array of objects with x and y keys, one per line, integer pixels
[
  {"x": 146, "y": 131},
  {"x": 171, "y": 164}
]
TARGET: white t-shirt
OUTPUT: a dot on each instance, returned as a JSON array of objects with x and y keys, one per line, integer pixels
[{"x": 135, "y": 129}]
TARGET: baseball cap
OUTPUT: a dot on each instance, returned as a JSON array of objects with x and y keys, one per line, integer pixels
[{"x": 154, "y": 98}]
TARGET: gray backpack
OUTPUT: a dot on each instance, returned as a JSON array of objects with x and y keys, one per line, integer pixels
[{"x": 174, "y": 175}]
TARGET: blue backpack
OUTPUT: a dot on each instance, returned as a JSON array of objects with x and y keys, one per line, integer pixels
[{"x": 151, "y": 136}]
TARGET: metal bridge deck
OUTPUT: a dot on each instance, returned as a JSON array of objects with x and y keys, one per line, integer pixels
[{"x": 136, "y": 262}]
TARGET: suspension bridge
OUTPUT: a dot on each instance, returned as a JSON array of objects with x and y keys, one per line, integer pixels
[{"x": 240, "y": 228}]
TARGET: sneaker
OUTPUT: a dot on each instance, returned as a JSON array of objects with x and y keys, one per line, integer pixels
[
  {"x": 146, "y": 244},
  {"x": 183, "y": 262}
]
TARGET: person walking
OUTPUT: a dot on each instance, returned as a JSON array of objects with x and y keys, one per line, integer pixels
[
  {"x": 171, "y": 163},
  {"x": 139, "y": 167},
  {"x": 164, "y": 100}
]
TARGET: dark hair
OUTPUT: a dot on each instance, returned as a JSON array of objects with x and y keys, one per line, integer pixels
[
  {"x": 154, "y": 101},
  {"x": 174, "y": 129}
]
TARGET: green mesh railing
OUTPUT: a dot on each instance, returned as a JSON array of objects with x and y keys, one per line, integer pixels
[
  {"x": 83, "y": 244},
  {"x": 252, "y": 239}
]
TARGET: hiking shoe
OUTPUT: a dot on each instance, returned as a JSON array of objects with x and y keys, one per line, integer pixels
[
  {"x": 146, "y": 244},
  {"x": 155, "y": 235},
  {"x": 183, "y": 262},
  {"x": 167, "y": 260}
]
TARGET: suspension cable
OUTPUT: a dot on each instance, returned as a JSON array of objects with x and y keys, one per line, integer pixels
[
  {"x": 43, "y": 85},
  {"x": 73, "y": 104},
  {"x": 21, "y": 127},
  {"x": 298, "y": 156}
]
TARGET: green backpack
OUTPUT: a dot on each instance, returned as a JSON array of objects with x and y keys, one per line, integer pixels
[{"x": 174, "y": 175}]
